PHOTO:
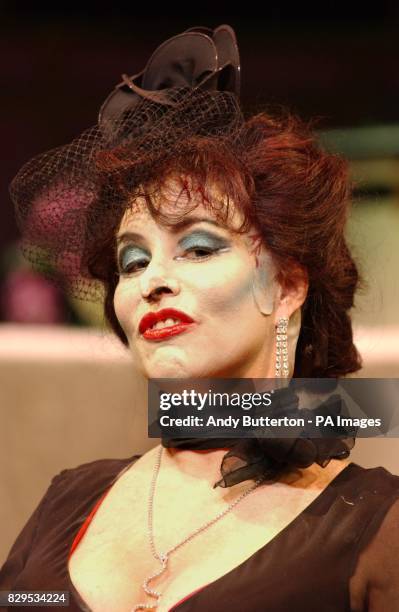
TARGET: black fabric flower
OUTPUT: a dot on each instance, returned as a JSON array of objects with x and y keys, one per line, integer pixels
[{"x": 268, "y": 457}]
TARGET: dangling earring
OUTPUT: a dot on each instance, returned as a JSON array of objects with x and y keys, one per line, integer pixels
[{"x": 282, "y": 366}]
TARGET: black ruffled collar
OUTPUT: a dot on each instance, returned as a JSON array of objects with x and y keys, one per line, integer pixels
[{"x": 267, "y": 458}]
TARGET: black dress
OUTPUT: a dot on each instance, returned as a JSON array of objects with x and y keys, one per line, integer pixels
[{"x": 350, "y": 529}]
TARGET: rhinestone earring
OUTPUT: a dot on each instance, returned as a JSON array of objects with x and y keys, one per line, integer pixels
[{"x": 282, "y": 366}]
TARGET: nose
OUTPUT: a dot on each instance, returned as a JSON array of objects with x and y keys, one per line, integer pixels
[{"x": 155, "y": 282}]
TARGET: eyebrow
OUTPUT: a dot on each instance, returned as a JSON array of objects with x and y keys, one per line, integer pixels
[{"x": 180, "y": 225}]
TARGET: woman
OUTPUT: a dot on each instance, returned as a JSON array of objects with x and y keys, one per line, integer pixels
[{"x": 219, "y": 243}]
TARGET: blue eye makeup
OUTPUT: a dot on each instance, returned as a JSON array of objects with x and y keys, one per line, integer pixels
[
  {"x": 203, "y": 240},
  {"x": 201, "y": 244},
  {"x": 131, "y": 258}
]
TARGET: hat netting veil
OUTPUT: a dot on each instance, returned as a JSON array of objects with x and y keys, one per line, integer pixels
[{"x": 66, "y": 198}]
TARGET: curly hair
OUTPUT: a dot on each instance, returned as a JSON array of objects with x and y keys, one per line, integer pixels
[{"x": 294, "y": 192}]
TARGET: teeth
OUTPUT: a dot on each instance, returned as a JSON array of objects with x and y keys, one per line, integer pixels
[
  {"x": 166, "y": 323},
  {"x": 171, "y": 321}
]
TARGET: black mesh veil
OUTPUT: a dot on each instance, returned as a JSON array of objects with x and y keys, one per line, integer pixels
[{"x": 66, "y": 198}]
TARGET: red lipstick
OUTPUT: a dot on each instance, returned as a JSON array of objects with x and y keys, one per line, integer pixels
[{"x": 151, "y": 318}]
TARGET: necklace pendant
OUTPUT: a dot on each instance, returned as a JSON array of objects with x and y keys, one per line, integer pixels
[
  {"x": 144, "y": 607},
  {"x": 163, "y": 557}
]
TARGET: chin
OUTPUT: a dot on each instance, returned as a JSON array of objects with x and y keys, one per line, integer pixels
[
  {"x": 174, "y": 362},
  {"x": 176, "y": 367},
  {"x": 167, "y": 366}
]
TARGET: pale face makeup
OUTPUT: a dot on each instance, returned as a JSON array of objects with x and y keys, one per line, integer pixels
[{"x": 223, "y": 280}]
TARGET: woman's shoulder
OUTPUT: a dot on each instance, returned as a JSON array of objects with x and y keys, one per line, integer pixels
[
  {"x": 374, "y": 569},
  {"x": 69, "y": 497},
  {"x": 379, "y": 479},
  {"x": 364, "y": 497},
  {"x": 73, "y": 492},
  {"x": 368, "y": 490},
  {"x": 96, "y": 474}
]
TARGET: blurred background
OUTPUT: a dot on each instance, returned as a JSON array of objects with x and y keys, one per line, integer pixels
[{"x": 69, "y": 393}]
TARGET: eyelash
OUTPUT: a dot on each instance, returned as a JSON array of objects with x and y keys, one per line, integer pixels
[{"x": 208, "y": 252}]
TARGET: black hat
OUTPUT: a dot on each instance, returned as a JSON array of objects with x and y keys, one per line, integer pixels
[{"x": 68, "y": 198}]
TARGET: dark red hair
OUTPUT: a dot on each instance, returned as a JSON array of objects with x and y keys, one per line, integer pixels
[{"x": 295, "y": 193}]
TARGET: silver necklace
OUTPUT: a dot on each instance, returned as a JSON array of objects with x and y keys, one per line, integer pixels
[{"x": 163, "y": 558}]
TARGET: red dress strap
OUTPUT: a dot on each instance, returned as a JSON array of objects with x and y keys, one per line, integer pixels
[{"x": 85, "y": 525}]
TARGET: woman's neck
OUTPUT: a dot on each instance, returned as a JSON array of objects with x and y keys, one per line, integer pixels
[{"x": 203, "y": 464}]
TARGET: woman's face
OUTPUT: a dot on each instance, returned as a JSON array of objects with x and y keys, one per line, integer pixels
[{"x": 213, "y": 277}]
